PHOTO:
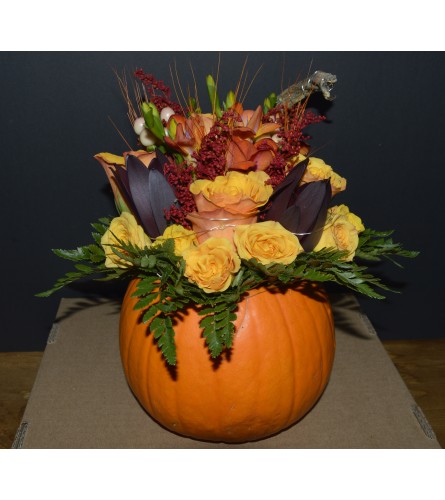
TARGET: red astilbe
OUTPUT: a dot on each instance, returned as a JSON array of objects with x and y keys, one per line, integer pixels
[
  {"x": 277, "y": 170},
  {"x": 180, "y": 176},
  {"x": 152, "y": 85},
  {"x": 211, "y": 157},
  {"x": 291, "y": 137}
]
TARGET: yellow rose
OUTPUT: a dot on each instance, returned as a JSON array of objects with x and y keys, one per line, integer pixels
[
  {"x": 236, "y": 192},
  {"x": 267, "y": 242},
  {"x": 341, "y": 231},
  {"x": 124, "y": 228},
  {"x": 212, "y": 264},
  {"x": 318, "y": 170},
  {"x": 182, "y": 237},
  {"x": 352, "y": 218}
]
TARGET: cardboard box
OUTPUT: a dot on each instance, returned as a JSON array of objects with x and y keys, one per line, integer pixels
[{"x": 81, "y": 399}]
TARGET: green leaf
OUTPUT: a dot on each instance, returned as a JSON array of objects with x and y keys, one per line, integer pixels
[
  {"x": 100, "y": 227},
  {"x": 193, "y": 105},
  {"x": 230, "y": 100},
  {"x": 211, "y": 336},
  {"x": 168, "y": 306},
  {"x": 47, "y": 293},
  {"x": 213, "y": 95},
  {"x": 84, "y": 269},
  {"x": 77, "y": 254},
  {"x": 145, "y": 301},
  {"x": 112, "y": 275},
  {"x": 163, "y": 332},
  {"x": 105, "y": 221},
  {"x": 153, "y": 120},
  {"x": 213, "y": 309},
  {"x": 97, "y": 237},
  {"x": 95, "y": 252},
  {"x": 238, "y": 278},
  {"x": 270, "y": 102},
  {"x": 373, "y": 245},
  {"x": 150, "y": 313}
]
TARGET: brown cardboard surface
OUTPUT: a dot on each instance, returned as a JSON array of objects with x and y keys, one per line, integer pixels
[{"x": 80, "y": 398}]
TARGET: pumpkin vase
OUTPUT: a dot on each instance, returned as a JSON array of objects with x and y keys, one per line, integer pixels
[{"x": 276, "y": 370}]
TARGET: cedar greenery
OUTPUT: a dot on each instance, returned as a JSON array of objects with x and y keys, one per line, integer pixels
[{"x": 163, "y": 292}]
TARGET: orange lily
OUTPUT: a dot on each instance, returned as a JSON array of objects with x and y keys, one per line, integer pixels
[
  {"x": 244, "y": 155},
  {"x": 251, "y": 123},
  {"x": 188, "y": 132}
]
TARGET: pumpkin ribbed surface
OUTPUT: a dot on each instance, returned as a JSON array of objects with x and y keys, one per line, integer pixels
[{"x": 278, "y": 367}]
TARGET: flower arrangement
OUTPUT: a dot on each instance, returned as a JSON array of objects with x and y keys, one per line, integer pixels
[{"x": 212, "y": 205}]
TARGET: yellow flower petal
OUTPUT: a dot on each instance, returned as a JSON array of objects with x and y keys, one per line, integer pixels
[{"x": 111, "y": 158}]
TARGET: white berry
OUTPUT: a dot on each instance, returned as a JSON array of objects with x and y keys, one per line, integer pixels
[
  {"x": 139, "y": 125},
  {"x": 147, "y": 138},
  {"x": 166, "y": 113}
]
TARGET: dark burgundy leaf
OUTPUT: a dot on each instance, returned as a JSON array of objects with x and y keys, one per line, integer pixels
[
  {"x": 283, "y": 192},
  {"x": 290, "y": 219},
  {"x": 158, "y": 162},
  {"x": 122, "y": 177},
  {"x": 162, "y": 160},
  {"x": 161, "y": 197},
  {"x": 313, "y": 200},
  {"x": 139, "y": 180},
  {"x": 155, "y": 164}
]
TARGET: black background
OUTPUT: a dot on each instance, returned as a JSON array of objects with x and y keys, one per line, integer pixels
[{"x": 384, "y": 133}]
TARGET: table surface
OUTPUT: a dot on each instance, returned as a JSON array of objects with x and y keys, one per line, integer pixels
[{"x": 421, "y": 365}]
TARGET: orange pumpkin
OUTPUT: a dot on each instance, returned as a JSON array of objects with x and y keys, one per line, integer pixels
[{"x": 276, "y": 370}]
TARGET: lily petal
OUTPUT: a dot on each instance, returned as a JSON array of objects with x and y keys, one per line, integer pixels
[
  {"x": 255, "y": 120},
  {"x": 267, "y": 128},
  {"x": 263, "y": 159},
  {"x": 239, "y": 154}
]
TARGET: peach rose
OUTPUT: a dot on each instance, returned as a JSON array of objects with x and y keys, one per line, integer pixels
[
  {"x": 267, "y": 242},
  {"x": 124, "y": 228},
  {"x": 183, "y": 238},
  {"x": 235, "y": 192},
  {"x": 218, "y": 223},
  {"x": 212, "y": 264}
]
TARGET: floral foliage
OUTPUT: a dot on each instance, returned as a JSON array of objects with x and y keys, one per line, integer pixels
[{"x": 212, "y": 205}]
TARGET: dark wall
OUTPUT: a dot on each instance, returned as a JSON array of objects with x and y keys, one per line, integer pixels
[{"x": 384, "y": 133}]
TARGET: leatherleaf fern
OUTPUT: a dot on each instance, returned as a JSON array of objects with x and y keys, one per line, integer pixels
[{"x": 163, "y": 292}]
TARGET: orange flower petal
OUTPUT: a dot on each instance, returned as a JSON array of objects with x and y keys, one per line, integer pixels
[
  {"x": 255, "y": 120},
  {"x": 218, "y": 223},
  {"x": 267, "y": 128},
  {"x": 263, "y": 159},
  {"x": 239, "y": 153},
  {"x": 242, "y": 165},
  {"x": 202, "y": 204},
  {"x": 243, "y": 133},
  {"x": 238, "y": 107}
]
